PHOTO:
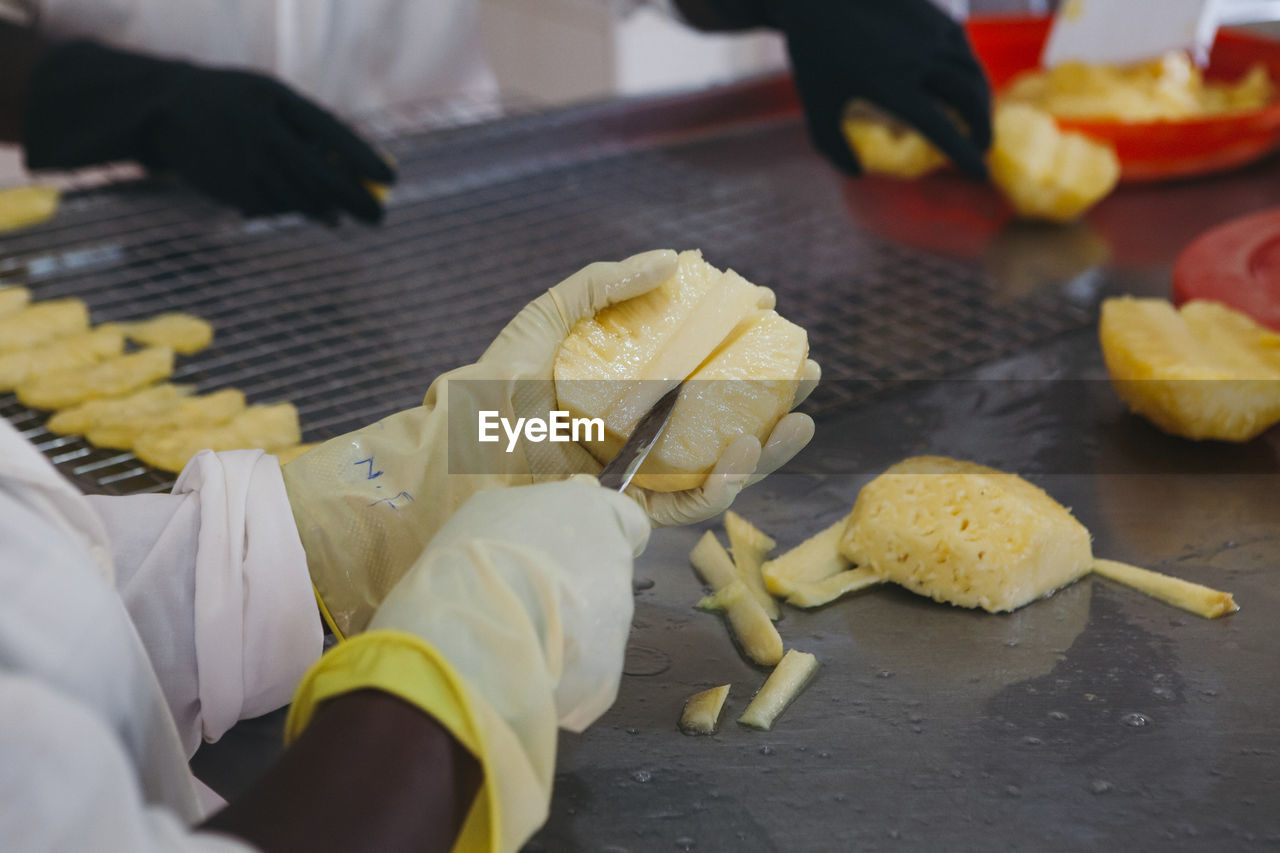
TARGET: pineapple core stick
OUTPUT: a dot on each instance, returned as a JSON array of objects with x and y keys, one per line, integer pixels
[
  {"x": 783, "y": 685},
  {"x": 712, "y": 563},
  {"x": 750, "y": 546},
  {"x": 1192, "y": 597},
  {"x": 751, "y": 625},
  {"x": 701, "y": 714}
]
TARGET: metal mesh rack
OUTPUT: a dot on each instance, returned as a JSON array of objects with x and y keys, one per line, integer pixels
[{"x": 352, "y": 323}]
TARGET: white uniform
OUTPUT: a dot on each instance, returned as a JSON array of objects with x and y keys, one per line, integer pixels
[
  {"x": 353, "y": 56},
  {"x": 132, "y": 628}
]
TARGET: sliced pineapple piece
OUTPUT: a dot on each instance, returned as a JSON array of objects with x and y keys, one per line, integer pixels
[
  {"x": 81, "y": 349},
  {"x": 13, "y": 300},
  {"x": 1192, "y": 597},
  {"x": 749, "y": 546},
  {"x": 1044, "y": 172},
  {"x": 714, "y": 329},
  {"x": 701, "y": 715},
  {"x": 827, "y": 590},
  {"x": 966, "y": 534},
  {"x": 712, "y": 562},
  {"x": 137, "y": 406},
  {"x": 888, "y": 147},
  {"x": 22, "y": 207},
  {"x": 59, "y": 389},
  {"x": 780, "y": 689},
  {"x": 813, "y": 560},
  {"x": 1204, "y": 372},
  {"x": 184, "y": 333},
  {"x": 751, "y": 625},
  {"x": 206, "y": 410},
  {"x": 269, "y": 428},
  {"x": 40, "y": 322}
]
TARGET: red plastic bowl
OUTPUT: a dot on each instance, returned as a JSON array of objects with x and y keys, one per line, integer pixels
[{"x": 1152, "y": 151}]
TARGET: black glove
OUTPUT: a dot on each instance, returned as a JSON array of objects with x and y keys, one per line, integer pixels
[
  {"x": 239, "y": 137},
  {"x": 905, "y": 56}
]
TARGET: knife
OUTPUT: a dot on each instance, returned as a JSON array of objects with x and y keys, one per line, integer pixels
[
  {"x": 1110, "y": 31},
  {"x": 618, "y": 473}
]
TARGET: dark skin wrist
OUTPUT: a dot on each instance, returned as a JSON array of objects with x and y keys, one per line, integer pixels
[
  {"x": 20, "y": 50},
  {"x": 370, "y": 772}
]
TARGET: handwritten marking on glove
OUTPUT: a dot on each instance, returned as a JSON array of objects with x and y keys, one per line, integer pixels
[
  {"x": 372, "y": 475},
  {"x": 558, "y": 428},
  {"x": 391, "y": 501}
]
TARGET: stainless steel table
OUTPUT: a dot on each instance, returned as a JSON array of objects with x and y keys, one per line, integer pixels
[{"x": 1093, "y": 720}]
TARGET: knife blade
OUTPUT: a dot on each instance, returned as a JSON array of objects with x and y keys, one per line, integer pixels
[{"x": 618, "y": 473}]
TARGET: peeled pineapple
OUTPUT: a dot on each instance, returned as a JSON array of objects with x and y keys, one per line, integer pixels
[
  {"x": 78, "y": 350},
  {"x": 1203, "y": 372},
  {"x": 42, "y": 322},
  {"x": 964, "y": 533},
  {"x": 888, "y": 147},
  {"x": 741, "y": 360},
  {"x": 1047, "y": 173},
  {"x": 121, "y": 374},
  {"x": 13, "y": 299},
  {"x": 188, "y": 411},
  {"x": 270, "y": 428},
  {"x": 184, "y": 333},
  {"x": 1167, "y": 88}
]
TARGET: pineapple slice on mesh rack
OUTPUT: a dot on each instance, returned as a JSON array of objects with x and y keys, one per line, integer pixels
[{"x": 1205, "y": 371}]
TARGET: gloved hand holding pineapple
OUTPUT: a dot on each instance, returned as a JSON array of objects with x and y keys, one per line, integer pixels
[{"x": 368, "y": 503}]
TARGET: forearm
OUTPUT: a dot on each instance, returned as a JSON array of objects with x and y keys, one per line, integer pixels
[
  {"x": 724, "y": 15},
  {"x": 20, "y": 49},
  {"x": 370, "y": 772}
]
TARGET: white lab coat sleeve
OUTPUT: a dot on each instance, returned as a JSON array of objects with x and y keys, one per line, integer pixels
[
  {"x": 66, "y": 783},
  {"x": 215, "y": 579}
]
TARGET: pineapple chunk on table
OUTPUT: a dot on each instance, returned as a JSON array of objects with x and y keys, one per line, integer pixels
[
  {"x": 827, "y": 590},
  {"x": 41, "y": 322},
  {"x": 1044, "y": 172},
  {"x": 813, "y": 560},
  {"x": 136, "y": 406},
  {"x": 792, "y": 675},
  {"x": 753, "y": 628},
  {"x": 1192, "y": 597},
  {"x": 701, "y": 715},
  {"x": 189, "y": 411},
  {"x": 59, "y": 389},
  {"x": 885, "y": 146},
  {"x": 1204, "y": 371},
  {"x": 269, "y": 428},
  {"x": 13, "y": 300},
  {"x": 78, "y": 350},
  {"x": 749, "y": 546},
  {"x": 966, "y": 534},
  {"x": 184, "y": 333}
]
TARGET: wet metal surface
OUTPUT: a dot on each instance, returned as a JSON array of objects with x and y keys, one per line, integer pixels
[{"x": 1096, "y": 719}]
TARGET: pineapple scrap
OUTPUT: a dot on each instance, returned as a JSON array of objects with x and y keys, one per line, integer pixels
[
  {"x": 780, "y": 689},
  {"x": 13, "y": 300},
  {"x": 114, "y": 412},
  {"x": 813, "y": 560},
  {"x": 701, "y": 715},
  {"x": 195, "y": 411},
  {"x": 749, "y": 547},
  {"x": 41, "y": 322},
  {"x": 966, "y": 534},
  {"x": 818, "y": 593},
  {"x": 81, "y": 349},
  {"x": 751, "y": 625},
  {"x": 22, "y": 207},
  {"x": 1044, "y": 172},
  {"x": 712, "y": 562},
  {"x": 1192, "y": 597},
  {"x": 1204, "y": 371},
  {"x": 1169, "y": 88},
  {"x": 715, "y": 329},
  {"x": 267, "y": 427},
  {"x": 59, "y": 389},
  {"x": 183, "y": 333},
  {"x": 886, "y": 146}
]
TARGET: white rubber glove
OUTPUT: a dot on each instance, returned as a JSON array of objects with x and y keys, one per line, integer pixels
[
  {"x": 514, "y": 620},
  {"x": 368, "y": 502}
]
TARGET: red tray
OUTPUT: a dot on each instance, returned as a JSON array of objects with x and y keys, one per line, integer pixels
[{"x": 1152, "y": 151}]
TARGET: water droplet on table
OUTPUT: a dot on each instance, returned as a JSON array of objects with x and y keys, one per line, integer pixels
[
  {"x": 641, "y": 775},
  {"x": 1100, "y": 786},
  {"x": 1135, "y": 720}
]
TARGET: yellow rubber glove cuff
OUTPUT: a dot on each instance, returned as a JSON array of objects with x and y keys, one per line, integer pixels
[{"x": 405, "y": 666}]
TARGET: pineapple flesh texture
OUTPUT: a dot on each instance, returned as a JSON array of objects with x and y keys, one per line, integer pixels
[
  {"x": 886, "y": 147},
  {"x": 73, "y": 351},
  {"x": 617, "y": 364},
  {"x": 13, "y": 300},
  {"x": 1205, "y": 371},
  {"x": 742, "y": 361},
  {"x": 59, "y": 389},
  {"x": 269, "y": 428},
  {"x": 41, "y": 322},
  {"x": 115, "y": 412},
  {"x": 743, "y": 389},
  {"x": 966, "y": 534},
  {"x": 1044, "y": 172}
]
